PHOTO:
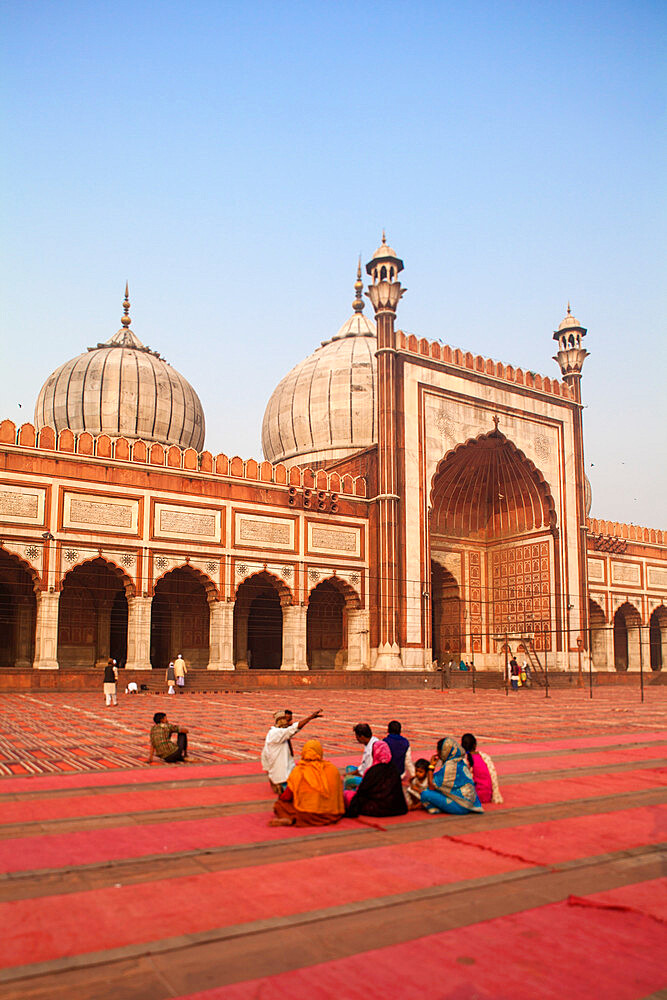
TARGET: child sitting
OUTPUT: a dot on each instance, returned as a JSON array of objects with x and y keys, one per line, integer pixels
[
  {"x": 417, "y": 784},
  {"x": 483, "y": 770}
]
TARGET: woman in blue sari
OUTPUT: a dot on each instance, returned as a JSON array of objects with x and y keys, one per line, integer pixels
[{"x": 451, "y": 789}]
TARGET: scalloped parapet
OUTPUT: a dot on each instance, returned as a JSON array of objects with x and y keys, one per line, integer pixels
[
  {"x": 148, "y": 454},
  {"x": 629, "y": 532},
  {"x": 484, "y": 366}
]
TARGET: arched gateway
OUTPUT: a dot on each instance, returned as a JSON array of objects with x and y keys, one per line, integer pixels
[
  {"x": 493, "y": 574},
  {"x": 92, "y": 615},
  {"x": 17, "y": 612}
]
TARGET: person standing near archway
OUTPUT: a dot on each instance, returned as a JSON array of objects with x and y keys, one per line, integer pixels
[
  {"x": 180, "y": 670},
  {"x": 110, "y": 681}
]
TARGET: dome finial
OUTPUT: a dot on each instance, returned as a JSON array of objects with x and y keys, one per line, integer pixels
[
  {"x": 384, "y": 238},
  {"x": 358, "y": 304},
  {"x": 126, "y": 308},
  {"x": 569, "y": 311}
]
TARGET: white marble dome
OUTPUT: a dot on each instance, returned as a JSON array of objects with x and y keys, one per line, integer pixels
[
  {"x": 324, "y": 408},
  {"x": 122, "y": 389}
]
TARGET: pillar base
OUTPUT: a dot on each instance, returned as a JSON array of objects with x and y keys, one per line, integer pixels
[
  {"x": 388, "y": 658},
  {"x": 139, "y": 665},
  {"x": 46, "y": 665},
  {"x": 294, "y": 667},
  {"x": 219, "y": 665}
]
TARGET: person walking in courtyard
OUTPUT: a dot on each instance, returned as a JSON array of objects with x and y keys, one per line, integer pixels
[
  {"x": 110, "y": 681},
  {"x": 314, "y": 792},
  {"x": 277, "y": 755},
  {"x": 161, "y": 743},
  {"x": 180, "y": 670},
  {"x": 515, "y": 671},
  {"x": 170, "y": 678}
]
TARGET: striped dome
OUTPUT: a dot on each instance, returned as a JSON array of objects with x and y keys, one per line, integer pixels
[
  {"x": 324, "y": 408},
  {"x": 122, "y": 389}
]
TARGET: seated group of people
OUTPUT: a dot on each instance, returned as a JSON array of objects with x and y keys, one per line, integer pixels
[{"x": 457, "y": 779}]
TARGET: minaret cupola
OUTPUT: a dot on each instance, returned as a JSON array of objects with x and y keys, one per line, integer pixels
[
  {"x": 571, "y": 354},
  {"x": 385, "y": 290}
]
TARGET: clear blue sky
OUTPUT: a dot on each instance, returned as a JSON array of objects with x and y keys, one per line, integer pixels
[{"x": 232, "y": 159}]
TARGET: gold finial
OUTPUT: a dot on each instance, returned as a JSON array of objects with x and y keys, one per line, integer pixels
[
  {"x": 358, "y": 303},
  {"x": 496, "y": 421},
  {"x": 384, "y": 238},
  {"x": 126, "y": 308},
  {"x": 569, "y": 311}
]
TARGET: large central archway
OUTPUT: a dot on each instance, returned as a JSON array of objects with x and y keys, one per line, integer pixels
[{"x": 493, "y": 515}]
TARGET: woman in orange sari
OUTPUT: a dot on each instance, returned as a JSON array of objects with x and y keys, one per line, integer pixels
[{"x": 314, "y": 793}]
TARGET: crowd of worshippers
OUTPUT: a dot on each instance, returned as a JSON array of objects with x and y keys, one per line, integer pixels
[{"x": 387, "y": 782}]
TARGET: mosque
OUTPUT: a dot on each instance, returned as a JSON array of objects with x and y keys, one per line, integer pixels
[{"x": 417, "y": 505}]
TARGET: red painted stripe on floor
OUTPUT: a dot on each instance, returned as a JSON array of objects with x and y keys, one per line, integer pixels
[
  {"x": 551, "y": 952},
  {"x": 66, "y": 925},
  {"x": 96, "y": 846}
]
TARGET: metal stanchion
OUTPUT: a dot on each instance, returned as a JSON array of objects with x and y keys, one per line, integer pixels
[
  {"x": 590, "y": 663},
  {"x": 641, "y": 664},
  {"x": 472, "y": 667},
  {"x": 546, "y": 673},
  {"x": 506, "y": 689}
]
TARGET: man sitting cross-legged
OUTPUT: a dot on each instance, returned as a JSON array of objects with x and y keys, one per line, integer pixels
[{"x": 161, "y": 743}]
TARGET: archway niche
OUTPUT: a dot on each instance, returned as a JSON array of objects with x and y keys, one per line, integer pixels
[
  {"x": 627, "y": 623},
  {"x": 446, "y": 616},
  {"x": 258, "y": 623},
  {"x": 658, "y": 638},
  {"x": 17, "y": 613},
  {"x": 492, "y": 510},
  {"x": 326, "y": 628},
  {"x": 599, "y": 629},
  {"x": 180, "y": 619},
  {"x": 92, "y": 615}
]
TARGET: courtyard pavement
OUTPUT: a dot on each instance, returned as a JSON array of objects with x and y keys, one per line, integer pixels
[{"x": 143, "y": 882}]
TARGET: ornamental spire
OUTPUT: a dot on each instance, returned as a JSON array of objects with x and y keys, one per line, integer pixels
[
  {"x": 126, "y": 308},
  {"x": 358, "y": 304}
]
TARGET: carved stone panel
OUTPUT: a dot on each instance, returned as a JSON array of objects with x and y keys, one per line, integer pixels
[
  {"x": 596, "y": 570},
  {"x": 656, "y": 576},
  {"x": 346, "y": 541},
  {"x": 21, "y": 503},
  {"x": 96, "y": 514},
  {"x": 626, "y": 573},
  {"x": 188, "y": 522},
  {"x": 272, "y": 532}
]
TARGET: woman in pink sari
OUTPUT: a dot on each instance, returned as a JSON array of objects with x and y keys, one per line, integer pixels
[{"x": 483, "y": 770}]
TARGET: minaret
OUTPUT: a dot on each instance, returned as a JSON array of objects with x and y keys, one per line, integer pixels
[
  {"x": 571, "y": 356},
  {"x": 385, "y": 292}
]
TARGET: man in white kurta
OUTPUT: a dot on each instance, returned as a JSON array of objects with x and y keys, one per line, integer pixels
[{"x": 277, "y": 756}]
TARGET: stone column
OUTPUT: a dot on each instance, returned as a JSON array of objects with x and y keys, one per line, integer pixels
[
  {"x": 294, "y": 637},
  {"x": 23, "y": 636},
  {"x": 633, "y": 648},
  {"x": 46, "y": 631},
  {"x": 645, "y": 648},
  {"x": 221, "y": 636},
  {"x": 609, "y": 644},
  {"x": 358, "y": 649},
  {"x": 103, "y": 633},
  {"x": 139, "y": 633}
]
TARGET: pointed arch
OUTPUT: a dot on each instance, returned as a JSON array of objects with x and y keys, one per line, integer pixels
[
  {"x": 118, "y": 571},
  {"x": 212, "y": 592},
  {"x": 93, "y": 613},
  {"x": 35, "y": 578},
  {"x": 487, "y": 488},
  {"x": 261, "y": 599},
  {"x": 350, "y": 595},
  {"x": 19, "y": 585}
]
